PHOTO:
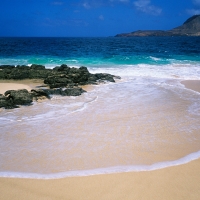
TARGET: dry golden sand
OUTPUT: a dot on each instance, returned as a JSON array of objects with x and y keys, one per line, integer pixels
[
  {"x": 177, "y": 183},
  {"x": 10, "y": 86},
  {"x": 18, "y": 84}
]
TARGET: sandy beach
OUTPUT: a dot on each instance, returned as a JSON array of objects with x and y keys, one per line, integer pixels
[
  {"x": 18, "y": 84},
  {"x": 178, "y": 182},
  {"x": 9, "y": 86}
]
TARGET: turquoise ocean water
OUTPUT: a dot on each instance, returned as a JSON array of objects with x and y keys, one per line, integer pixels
[{"x": 135, "y": 124}]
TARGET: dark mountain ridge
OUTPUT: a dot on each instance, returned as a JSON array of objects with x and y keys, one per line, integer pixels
[{"x": 191, "y": 27}]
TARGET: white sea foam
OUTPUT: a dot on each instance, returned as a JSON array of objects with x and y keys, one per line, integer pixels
[
  {"x": 195, "y": 109},
  {"x": 109, "y": 170},
  {"x": 185, "y": 69},
  {"x": 174, "y": 70},
  {"x": 155, "y": 59},
  {"x": 59, "y": 106}
]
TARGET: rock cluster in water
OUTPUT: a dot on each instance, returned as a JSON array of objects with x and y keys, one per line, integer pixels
[{"x": 61, "y": 80}]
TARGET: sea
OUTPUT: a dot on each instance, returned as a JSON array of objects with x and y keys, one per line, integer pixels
[{"x": 145, "y": 121}]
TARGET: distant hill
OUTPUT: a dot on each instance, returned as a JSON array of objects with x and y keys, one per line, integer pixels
[{"x": 191, "y": 27}]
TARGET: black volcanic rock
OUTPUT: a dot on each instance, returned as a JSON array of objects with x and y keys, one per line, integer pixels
[
  {"x": 60, "y": 76},
  {"x": 69, "y": 91},
  {"x": 18, "y": 73},
  {"x": 191, "y": 27},
  {"x": 105, "y": 77},
  {"x": 62, "y": 80},
  {"x": 38, "y": 93},
  {"x": 7, "y": 66},
  {"x": 37, "y": 67},
  {"x": 57, "y": 81},
  {"x": 24, "y": 72},
  {"x": 19, "y": 97},
  {"x": 74, "y": 91},
  {"x": 62, "y": 68},
  {"x": 15, "y": 98},
  {"x": 7, "y": 103}
]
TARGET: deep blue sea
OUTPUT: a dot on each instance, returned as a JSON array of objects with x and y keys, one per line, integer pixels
[
  {"x": 100, "y": 52},
  {"x": 145, "y": 121}
]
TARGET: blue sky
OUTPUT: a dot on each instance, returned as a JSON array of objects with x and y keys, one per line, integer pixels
[{"x": 91, "y": 18}]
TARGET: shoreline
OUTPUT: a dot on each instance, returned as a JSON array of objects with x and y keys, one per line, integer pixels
[
  {"x": 177, "y": 182},
  {"x": 103, "y": 171},
  {"x": 173, "y": 182},
  {"x": 33, "y": 83},
  {"x": 192, "y": 85}
]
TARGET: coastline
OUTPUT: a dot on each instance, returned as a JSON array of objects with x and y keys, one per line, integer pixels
[
  {"x": 192, "y": 85},
  {"x": 33, "y": 83},
  {"x": 177, "y": 182}
]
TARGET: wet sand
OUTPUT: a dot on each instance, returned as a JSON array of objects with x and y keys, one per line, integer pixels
[
  {"x": 192, "y": 84},
  {"x": 178, "y": 182}
]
